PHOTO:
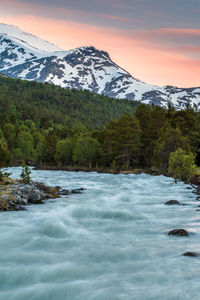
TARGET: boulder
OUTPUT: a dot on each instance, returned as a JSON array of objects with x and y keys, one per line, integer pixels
[
  {"x": 172, "y": 202},
  {"x": 193, "y": 254},
  {"x": 196, "y": 191},
  {"x": 42, "y": 187},
  {"x": 58, "y": 187},
  {"x": 24, "y": 201},
  {"x": 36, "y": 197},
  {"x": 16, "y": 199},
  {"x": 21, "y": 208},
  {"x": 65, "y": 192},
  {"x": 179, "y": 232},
  {"x": 77, "y": 191}
]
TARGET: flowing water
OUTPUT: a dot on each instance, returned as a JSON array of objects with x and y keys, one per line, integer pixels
[{"x": 109, "y": 243}]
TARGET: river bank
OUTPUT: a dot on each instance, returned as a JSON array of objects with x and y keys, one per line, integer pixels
[
  {"x": 98, "y": 170},
  {"x": 16, "y": 195},
  {"x": 195, "y": 180}
]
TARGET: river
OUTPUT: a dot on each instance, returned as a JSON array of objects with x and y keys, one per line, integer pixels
[{"x": 108, "y": 243}]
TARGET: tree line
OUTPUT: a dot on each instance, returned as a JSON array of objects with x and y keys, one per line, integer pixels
[{"x": 42, "y": 124}]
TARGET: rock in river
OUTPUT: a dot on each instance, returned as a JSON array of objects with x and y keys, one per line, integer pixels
[
  {"x": 14, "y": 194},
  {"x": 172, "y": 202},
  {"x": 193, "y": 254},
  {"x": 36, "y": 197},
  {"x": 65, "y": 192},
  {"x": 179, "y": 232},
  {"x": 77, "y": 191}
]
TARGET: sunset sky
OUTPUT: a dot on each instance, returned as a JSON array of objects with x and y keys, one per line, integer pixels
[{"x": 157, "y": 41}]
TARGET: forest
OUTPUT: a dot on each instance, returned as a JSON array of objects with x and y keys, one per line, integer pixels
[{"x": 45, "y": 125}]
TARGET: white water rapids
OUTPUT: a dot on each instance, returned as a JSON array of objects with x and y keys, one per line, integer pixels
[{"x": 108, "y": 243}]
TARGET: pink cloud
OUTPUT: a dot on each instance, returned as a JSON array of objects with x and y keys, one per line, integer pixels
[
  {"x": 178, "y": 31},
  {"x": 115, "y": 18},
  {"x": 192, "y": 49}
]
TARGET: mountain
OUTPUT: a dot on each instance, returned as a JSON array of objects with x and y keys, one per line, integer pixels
[{"x": 25, "y": 56}]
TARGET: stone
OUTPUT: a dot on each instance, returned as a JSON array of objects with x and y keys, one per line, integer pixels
[
  {"x": 15, "y": 198},
  {"x": 77, "y": 191},
  {"x": 193, "y": 254},
  {"x": 196, "y": 191},
  {"x": 179, "y": 232},
  {"x": 41, "y": 186},
  {"x": 35, "y": 197},
  {"x": 21, "y": 208},
  {"x": 172, "y": 202},
  {"x": 58, "y": 187},
  {"x": 24, "y": 201},
  {"x": 65, "y": 192}
]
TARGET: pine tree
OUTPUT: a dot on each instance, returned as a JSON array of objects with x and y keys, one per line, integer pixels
[
  {"x": 170, "y": 139},
  {"x": 25, "y": 174}
]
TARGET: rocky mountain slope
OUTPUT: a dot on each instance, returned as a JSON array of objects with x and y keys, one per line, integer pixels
[{"x": 25, "y": 56}]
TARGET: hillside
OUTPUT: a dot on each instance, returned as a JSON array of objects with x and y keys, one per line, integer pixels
[{"x": 43, "y": 103}]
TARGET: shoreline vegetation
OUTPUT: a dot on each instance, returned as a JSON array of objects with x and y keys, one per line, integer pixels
[
  {"x": 45, "y": 125},
  {"x": 59, "y": 129}
]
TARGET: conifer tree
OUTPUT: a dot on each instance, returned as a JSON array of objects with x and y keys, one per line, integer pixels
[
  {"x": 170, "y": 140},
  {"x": 25, "y": 174}
]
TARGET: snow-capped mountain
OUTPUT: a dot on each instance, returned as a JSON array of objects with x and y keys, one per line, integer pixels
[{"x": 25, "y": 56}]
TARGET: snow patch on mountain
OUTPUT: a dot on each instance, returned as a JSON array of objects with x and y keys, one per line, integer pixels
[{"x": 27, "y": 40}]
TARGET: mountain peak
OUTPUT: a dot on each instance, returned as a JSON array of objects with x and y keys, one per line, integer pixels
[{"x": 25, "y": 56}]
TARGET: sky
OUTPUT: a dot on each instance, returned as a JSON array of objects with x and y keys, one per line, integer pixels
[{"x": 157, "y": 41}]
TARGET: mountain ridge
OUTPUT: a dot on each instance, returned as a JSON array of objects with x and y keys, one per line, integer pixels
[{"x": 25, "y": 56}]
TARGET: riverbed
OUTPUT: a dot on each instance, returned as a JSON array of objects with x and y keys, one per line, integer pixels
[{"x": 108, "y": 243}]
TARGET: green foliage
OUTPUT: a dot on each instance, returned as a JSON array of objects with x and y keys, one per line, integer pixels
[
  {"x": 46, "y": 104},
  {"x": 151, "y": 120},
  {"x": 4, "y": 175},
  {"x": 64, "y": 152},
  {"x": 182, "y": 165},
  {"x": 45, "y": 124},
  {"x": 5, "y": 156},
  {"x": 86, "y": 151},
  {"x": 2, "y": 138},
  {"x": 121, "y": 142},
  {"x": 25, "y": 174},
  {"x": 10, "y": 134},
  {"x": 25, "y": 145},
  {"x": 170, "y": 139}
]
